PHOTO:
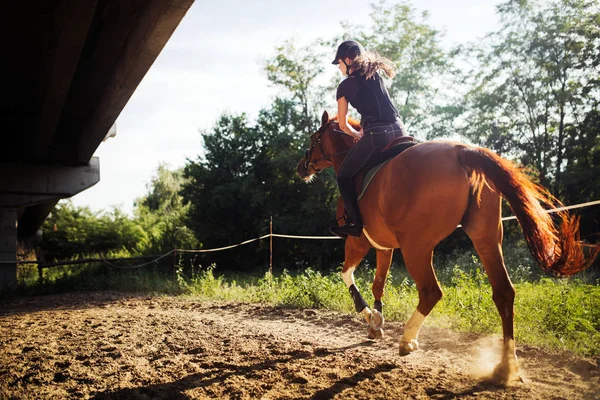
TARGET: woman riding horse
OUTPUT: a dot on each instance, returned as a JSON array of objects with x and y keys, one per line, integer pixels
[
  {"x": 364, "y": 90},
  {"x": 419, "y": 197}
]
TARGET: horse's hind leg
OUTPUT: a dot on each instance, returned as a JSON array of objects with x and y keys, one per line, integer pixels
[
  {"x": 384, "y": 261},
  {"x": 484, "y": 226},
  {"x": 420, "y": 267}
]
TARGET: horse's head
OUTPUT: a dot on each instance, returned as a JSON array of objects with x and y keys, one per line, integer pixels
[{"x": 327, "y": 148}]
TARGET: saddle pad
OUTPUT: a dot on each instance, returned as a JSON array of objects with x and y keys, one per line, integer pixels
[
  {"x": 379, "y": 161},
  {"x": 369, "y": 175}
]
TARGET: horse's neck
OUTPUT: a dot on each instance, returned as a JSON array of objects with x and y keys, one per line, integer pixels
[{"x": 345, "y": 143}]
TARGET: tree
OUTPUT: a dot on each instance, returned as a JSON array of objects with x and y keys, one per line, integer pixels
[
  {"x": 536, "y": 80},
  {"x": 247, "y": 175},
  {"x": 581, "y": 173},
  {"x": 163, "y": 214},
  {"x": 296, "y": 70}
]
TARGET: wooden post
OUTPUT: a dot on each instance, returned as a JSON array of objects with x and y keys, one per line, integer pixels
[
  {"x": 39, "y": 257},
  {"x": 271, "y": 246},
  {"x": 174, "y": 262}
]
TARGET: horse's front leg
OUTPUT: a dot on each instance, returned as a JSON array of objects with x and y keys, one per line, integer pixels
[
  {"x": 355, "y": 251},
  {"x": 384, "y": 261}
]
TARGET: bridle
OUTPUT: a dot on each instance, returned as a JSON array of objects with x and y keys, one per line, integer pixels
[{"x": 308, "y": 160}]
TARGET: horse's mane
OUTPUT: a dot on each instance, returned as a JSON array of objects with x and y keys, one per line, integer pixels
[{"x": 354, "y": 123}]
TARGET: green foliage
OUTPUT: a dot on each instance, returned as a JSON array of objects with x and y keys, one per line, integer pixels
[
  {"x": 206, "y": 284},
  {"x": 99, "y": 276},
  {"x": 78, "y": 232},
  {"x": 559, "y": 314},
  {"x": 163, "y": 215},
  {"x": 158, "y": 225},
  {"x": 581, "y": 173},
  {"x": 400, "y": 297},
  {"x": 296, "y": 70},
  {"x": 536, "y": 80},
  {"x": 468, "y": 303},
  {"x": 247, "y": 175},
  {"x": 313, "y": 290},
  {"x": 517, "y": 259}
]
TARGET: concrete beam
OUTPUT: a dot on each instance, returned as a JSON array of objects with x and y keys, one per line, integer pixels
[
  {"x": 25, "y": 184},
  {"x": 156, "y": 24},
  {"x": 32, "y": 217},
  {"x": 132, "y": 36},
  {"x": 8, "y": 248},
  {"x": 19, "y": 200},
  {"x": 72, "y": 20}
]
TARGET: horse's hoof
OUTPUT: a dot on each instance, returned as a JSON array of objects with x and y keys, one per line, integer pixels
[
  {"x": 376, "y": 322},
  {"x": 506, "y": 373},
  {"x": 375, "y": 333},
  {"x": 408, "y": 347}
]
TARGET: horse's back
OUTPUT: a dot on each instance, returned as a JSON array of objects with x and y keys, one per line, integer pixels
[{"x": 423, "y": 193}]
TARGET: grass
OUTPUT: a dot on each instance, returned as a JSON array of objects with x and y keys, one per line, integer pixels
[
  {"x": 94, "y": 277},
  {"x": 554, "y": 314}
]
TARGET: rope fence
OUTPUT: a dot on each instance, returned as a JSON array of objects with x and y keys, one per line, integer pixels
[
  {"x": 224, "y": 248},
  {"x": 270, "y": 235},
  {"x": 554, "y": 210}
]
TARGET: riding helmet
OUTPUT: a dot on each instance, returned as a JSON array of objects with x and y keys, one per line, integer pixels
[{"x": 350, "y": 49}]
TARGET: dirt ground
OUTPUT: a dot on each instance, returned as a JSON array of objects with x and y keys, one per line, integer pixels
[{"x": 116, "y": 346}]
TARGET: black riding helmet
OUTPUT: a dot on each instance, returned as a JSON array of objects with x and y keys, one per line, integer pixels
[{"x": 350, "y": 49}]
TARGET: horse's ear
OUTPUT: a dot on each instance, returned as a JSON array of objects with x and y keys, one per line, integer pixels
[{"x": 324, "y": 118}]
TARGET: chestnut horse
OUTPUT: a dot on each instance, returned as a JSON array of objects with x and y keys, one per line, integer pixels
[{"x": 419, "y": 198}]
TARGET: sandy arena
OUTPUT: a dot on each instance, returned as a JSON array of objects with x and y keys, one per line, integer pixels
[{"x": 119, "y": 346}]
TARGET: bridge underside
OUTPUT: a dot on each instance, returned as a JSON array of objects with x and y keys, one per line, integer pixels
[{"x": 72, "y": 66}]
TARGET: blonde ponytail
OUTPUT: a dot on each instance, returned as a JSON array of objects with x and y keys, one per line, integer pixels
[{"x": 370, "y": 62}]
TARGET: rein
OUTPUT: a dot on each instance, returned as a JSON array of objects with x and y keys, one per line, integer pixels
[{"x": 309, "y": 161}]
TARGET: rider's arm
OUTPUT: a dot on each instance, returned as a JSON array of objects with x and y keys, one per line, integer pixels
[{"x": 343, "y": 119}]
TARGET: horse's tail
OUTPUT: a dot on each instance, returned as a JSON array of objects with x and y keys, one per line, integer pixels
[{"x": 556, "y": 249}]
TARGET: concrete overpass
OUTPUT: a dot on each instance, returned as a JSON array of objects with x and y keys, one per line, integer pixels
[{"x": 69, "y": 67}]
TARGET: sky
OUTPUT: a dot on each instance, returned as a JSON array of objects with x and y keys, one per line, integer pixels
[{"x": 213, "y": 64}]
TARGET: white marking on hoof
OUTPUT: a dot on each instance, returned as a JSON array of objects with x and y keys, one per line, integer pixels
[
  {"x": 408, "y": 347},
  {"x": 412, "y": 327},
  {"x": 375, "y": 334},
  {"x": 374, "y": 243},
  {"x": 367, "y": 313},
  {"x": 377, "y": 320}
]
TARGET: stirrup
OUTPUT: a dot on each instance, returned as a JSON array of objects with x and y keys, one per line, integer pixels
[{"x": 346, "y": 230}]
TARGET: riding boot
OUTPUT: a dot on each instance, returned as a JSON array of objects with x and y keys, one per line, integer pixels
[{"x": 354, "y": 224}]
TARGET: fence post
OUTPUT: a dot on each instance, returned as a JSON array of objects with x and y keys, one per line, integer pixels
[
  {"x": 174, "y": 262},
  {"x": 271, "y": 246}
]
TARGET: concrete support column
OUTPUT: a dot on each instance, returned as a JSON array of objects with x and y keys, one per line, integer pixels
[{"x": 8, "y": 248}]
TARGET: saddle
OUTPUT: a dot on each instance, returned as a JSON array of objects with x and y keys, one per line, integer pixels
[{"x": 377, "y": 161}]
